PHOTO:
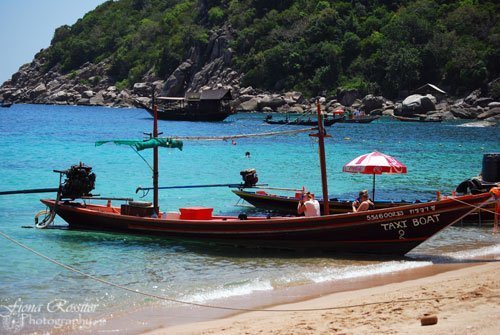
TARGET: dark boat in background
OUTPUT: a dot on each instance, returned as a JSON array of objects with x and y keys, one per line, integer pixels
[
  {"x": 361, "y": 119},
  {"x": 300, "y": 122},
  {"x": 288, "y": 204},
  {"x": 6, "y": 104},
  {"x": 209, "y": 105},
  {"x": 422, "y": 118}
]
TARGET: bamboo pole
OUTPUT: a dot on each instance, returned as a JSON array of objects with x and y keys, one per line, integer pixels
[{"x": 322, "y": 158}]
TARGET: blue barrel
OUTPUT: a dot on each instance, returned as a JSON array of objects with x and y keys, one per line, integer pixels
[{"x": 491, "y": 167}]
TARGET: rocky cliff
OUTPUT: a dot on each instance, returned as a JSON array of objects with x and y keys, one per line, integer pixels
[{"x": 208, "y": 67}]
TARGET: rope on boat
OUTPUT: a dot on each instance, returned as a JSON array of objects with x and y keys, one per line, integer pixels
[
  {"x": 122, "y": 287},
  {"x": 476, "y": 207},
  {"x": 48, "y": 214},
  {"x": 230, "y": 137},
  {"x": 48, "y": 218}
]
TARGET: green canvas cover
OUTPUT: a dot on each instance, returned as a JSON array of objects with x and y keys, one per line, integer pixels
[{"x": 147, "y": 144}]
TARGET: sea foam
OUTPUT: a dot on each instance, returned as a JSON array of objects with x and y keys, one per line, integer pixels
[{"x": 229, "y": 290}]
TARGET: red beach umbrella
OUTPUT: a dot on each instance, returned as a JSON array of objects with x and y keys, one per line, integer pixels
[{"x": 374, "y": 163}]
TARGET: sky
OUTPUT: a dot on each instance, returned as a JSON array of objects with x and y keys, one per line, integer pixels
[{"x": 27, "y": 26}]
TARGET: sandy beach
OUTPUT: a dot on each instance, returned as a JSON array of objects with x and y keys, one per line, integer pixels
[{"x": 465, "y": 301}]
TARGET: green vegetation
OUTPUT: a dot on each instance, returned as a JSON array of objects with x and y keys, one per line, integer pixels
[{"x": 313, "y": 46}]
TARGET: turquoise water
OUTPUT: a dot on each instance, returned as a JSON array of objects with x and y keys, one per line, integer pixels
[{"x": 38, "y": 139}]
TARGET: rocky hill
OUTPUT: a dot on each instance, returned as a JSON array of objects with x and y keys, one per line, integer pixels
[{"x": 342, "y": 50}]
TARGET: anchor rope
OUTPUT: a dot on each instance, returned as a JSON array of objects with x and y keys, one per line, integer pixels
[
  {"x": 475, "y": 206},
  {"x": 142, "y": 157},
  {"x": 122, "y": 287},
  {"x": 229, "y": 137}
]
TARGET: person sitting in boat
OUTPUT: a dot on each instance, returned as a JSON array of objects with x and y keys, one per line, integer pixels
[
  {"x": 362, "y": 203},
  {"x": 357, "y": 114},
  {"x": 308, "y": 206}
]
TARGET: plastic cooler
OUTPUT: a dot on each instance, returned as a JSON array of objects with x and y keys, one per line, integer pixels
[{"x": 196, "y": 213}]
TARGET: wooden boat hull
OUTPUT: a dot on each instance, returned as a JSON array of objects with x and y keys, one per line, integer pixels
[
  {"x": 191, "y": 115},
  {"x": 326, "y": 122},
  {"x": 384, "y": 231}
]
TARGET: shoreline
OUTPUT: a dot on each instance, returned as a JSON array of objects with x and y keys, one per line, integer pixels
[{"x": 463, "y": 296}]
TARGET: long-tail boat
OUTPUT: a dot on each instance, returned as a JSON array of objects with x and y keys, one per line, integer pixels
[
  {"x": 288, "y": 204},
  {"x": 421, "y": 118},
  {"x": 360, "y": 119},
  {"x": 382, "y": 231},
  {"x": 300, "y": 121}
]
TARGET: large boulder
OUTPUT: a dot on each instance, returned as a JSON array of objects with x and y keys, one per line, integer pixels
[
  {"x": 272, "y": 101},
  {"x": 98, "y": 99},
  {"x": 293, "y": 97},
  {"x": 493, "y": 112},
  {"x": 483, "y": 102},
  {"x": 472, "y": 97},
  {"x": 88, "y": 94},
  {"x": 418, "y": 104},
  {"x": 371, "y": 102},
  {"x": 37, "y": 91},
  {"x": 175, "y": 84},
  {"x": 463, "y": 112},
  {"x": 60, "y": 96},
  {"x": 53, "y": 84},
  {"x": 494, "y": 104},
  {"x": 142, "y": 89},
  {"x": 247, "y": 91},
  {"x": 347, "y": 97},
  {"x": 249, "y": 106}
]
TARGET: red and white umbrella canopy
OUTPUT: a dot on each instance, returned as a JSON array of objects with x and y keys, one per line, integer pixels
[{"x": 374, "y": 163}]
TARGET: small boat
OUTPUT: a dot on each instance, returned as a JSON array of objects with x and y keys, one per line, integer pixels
[
  {"x": 6, "y": 104},
  {"x": 288, "y": 204},
  {"x": 421, "y": 118},
  {"x": 360, "y": 119},
  {"x": 381, "y": 231},
  {"x": 301, "y": 122},
  {"x": 209, "y": 106}
]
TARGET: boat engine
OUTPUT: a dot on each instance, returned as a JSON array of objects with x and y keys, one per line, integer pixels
[
  {"x": 490, "y": 176},
  {"x": 79, "y": 182},
  {"x": 249, "y": 177}
]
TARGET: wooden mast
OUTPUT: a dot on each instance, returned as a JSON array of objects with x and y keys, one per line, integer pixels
[
  {"x": 155, "y": 159},
  {"x": 322, "y": 158}
]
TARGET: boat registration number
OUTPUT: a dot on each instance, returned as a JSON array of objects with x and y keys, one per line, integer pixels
[{"x": 386, "y": 215}]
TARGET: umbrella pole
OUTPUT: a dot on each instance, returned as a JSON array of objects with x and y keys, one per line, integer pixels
[{"x": 373, "y": 188}]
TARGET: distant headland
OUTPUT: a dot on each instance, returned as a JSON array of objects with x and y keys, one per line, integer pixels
[{"x": 412, "y": 58}]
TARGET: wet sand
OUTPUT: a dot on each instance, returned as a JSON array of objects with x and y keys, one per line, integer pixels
[{"x": 465, "y": 299}]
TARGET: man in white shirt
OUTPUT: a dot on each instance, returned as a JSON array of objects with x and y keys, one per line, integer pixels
[{"x": 309, "y": 206}]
